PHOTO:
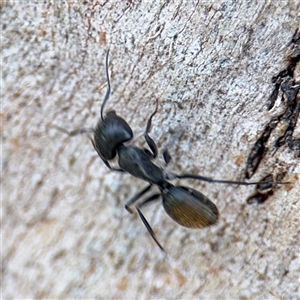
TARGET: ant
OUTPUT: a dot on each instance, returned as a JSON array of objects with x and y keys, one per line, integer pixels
[{"x": 186, "y": 206}]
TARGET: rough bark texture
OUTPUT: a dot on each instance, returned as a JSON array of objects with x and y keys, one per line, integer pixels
[{"x": 65, "y": 232}]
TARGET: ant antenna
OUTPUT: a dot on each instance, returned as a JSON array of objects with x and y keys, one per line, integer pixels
[{"x": 108, "y": 87}]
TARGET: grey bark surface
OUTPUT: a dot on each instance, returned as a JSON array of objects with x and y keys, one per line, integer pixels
[{"x": 65, "y": 232}]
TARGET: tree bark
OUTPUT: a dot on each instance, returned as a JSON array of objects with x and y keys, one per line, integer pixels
[{"x": 65, "y": 231}]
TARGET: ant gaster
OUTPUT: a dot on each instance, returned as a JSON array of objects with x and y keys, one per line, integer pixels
[{"x": 186, "y": 206}]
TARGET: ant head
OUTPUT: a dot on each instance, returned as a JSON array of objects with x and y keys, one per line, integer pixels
[{"x": 110, "y": 133}]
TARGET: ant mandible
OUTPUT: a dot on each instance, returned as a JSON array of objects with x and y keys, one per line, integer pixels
[{"x": 186, "y": 206}]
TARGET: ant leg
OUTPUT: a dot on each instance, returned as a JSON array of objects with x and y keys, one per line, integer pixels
[
  {"x": 151, "y": 198},
  {"x": 110, "y": 167},
  {"x": 104, "y": 160},
  {"x": 167, "y": 156},
  {"x": 87, "y": 130},
  {"x": 137, "y": 197},
  {"x": 208, "y": 179},
  {"x": 148, "y": 139},
  {"x": 150, "y": 230},
  {"x": 75, "y": 132}
]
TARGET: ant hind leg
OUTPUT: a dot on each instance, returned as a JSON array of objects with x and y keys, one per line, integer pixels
[
  {"x": 149, "y": 228},
  {"x": 137, "y": 197}
]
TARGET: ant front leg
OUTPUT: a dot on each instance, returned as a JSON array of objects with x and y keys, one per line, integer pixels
[
  {"x": 137, "y": 197},
  {"x": 110, "y": 167},
  {"x": 104, "y": 160},
  {"x": 87, "y": 130},
  {"x": 148, "y": 139},
  {"x": 75, "y": 132}
]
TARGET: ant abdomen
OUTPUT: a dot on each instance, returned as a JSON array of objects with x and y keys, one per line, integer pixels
[{"x": 189, "y": 207}]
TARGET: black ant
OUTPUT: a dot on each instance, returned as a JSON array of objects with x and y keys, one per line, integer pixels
[{"x": 186, "y": 206}]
